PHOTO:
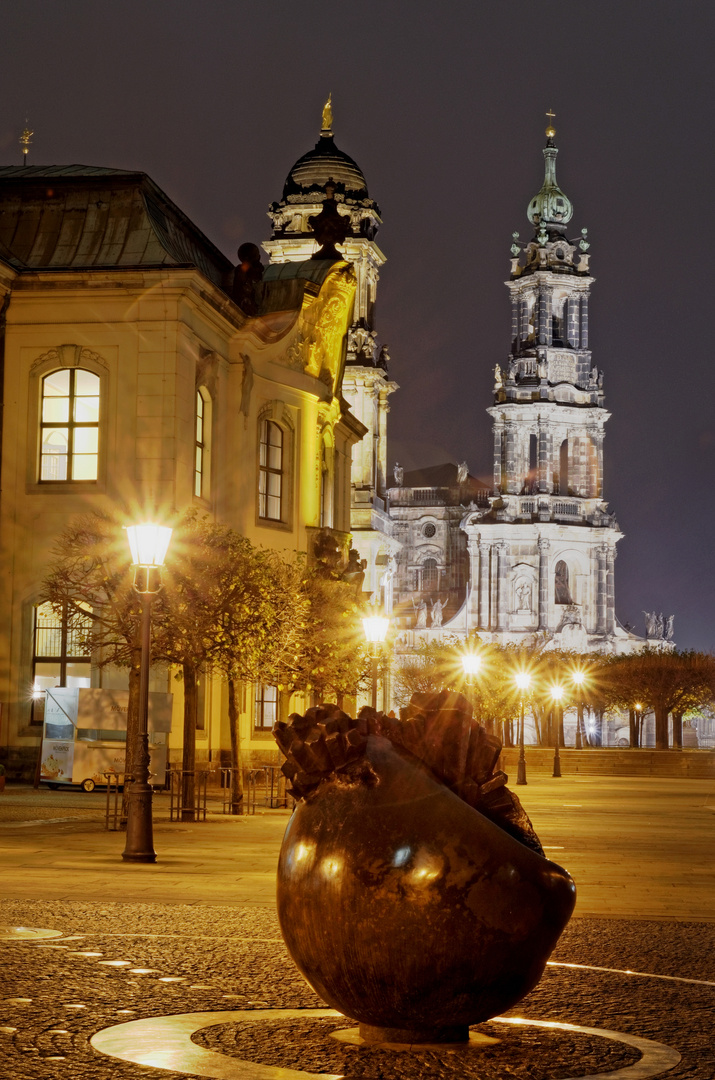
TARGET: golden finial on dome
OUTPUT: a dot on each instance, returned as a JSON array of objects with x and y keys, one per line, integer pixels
[
  {"x": 550, "y": 129},
  {"x": 327, "y": 126}
]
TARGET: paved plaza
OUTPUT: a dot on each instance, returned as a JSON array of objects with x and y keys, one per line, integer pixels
[{"x": 179, "y": 969}]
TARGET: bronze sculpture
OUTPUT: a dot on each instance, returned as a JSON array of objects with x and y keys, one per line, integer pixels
[{"x": 413, "y": 893}]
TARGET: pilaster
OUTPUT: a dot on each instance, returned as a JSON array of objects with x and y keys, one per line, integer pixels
[{"x": 544, "y": 546}]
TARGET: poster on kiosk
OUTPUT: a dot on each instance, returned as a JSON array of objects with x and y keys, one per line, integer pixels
[{"x": 85, "y": 736}]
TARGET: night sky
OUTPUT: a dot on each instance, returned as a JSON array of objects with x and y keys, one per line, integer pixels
[{"x": 442, "y": 105}]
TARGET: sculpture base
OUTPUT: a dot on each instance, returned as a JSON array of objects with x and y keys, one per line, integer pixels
[{"x": 459, "y": 1033}]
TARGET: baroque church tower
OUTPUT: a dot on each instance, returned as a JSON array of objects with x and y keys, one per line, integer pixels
[
  {"x": 542, "y": 555},
  {"x": 366, "y": 384}
]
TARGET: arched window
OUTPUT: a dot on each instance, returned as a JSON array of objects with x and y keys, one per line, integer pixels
[
  {"x": 69, "y": 428},
  {"x": 562, "y": 592},
  {"x": 270, "y": 471},
  {"x": 430, "y": 575},
  {"x": 199, "y": 452}
]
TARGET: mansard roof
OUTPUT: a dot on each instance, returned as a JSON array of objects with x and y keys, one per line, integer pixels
[{"x": 78, "y": 217}]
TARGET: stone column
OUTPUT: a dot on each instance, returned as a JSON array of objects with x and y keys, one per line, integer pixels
[
  {"x": 514, "y": 323},
  {"x": 473, "y": 604},
  {"x": 598, "y": 440},
  {"x": 544, "y": 546},
  {"x": 602, "y": 588},
  {"x": 484, "y": 556},
  {"x": 543, "y": 462},
  {"x": 542, "y": 332},
  {"x": 611, "y": 590},
  {"x": 584, "y": 320},
  {"x": 502, "y": 549},
  {"x": 498, "y": 466},
  {"x": 381, "y": 445},
  {"x": 511, "y": 483},
  {"x": 524, "y": 328},
  {"x": 573, "y": 322}
]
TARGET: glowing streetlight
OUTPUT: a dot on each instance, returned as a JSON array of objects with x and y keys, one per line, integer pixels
[
  {"x": 639, "y": 722},
  {"x": 523, "y": 682},
  {"x": 148, "y": 545},
  {"x": 557, "y": 693},
  {"x": 472, "y": 664},
  {"x": 375, "y": 627}
]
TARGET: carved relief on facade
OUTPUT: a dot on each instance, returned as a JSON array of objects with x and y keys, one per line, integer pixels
[
  {"x": 324, "y": 323},
  {"x": 69, "y": 356}
]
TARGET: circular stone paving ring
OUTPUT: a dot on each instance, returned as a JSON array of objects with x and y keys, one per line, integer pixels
[
  {"x": 164, "y": 1042},
  {"x": 26, "y": 933}
]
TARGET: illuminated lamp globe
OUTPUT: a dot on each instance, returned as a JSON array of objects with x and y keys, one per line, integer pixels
[
  {"x": 472, "y": 663},
  {"x": 148, "y": 544},
  {"x": 375, "y": 627},
  {"x": 523, "y": 680},
  {"x": 557, "y": 692},
  {"x": 578, "y": 677}
]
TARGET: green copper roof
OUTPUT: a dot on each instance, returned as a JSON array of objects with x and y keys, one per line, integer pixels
[{"x": 550, "y": 207}]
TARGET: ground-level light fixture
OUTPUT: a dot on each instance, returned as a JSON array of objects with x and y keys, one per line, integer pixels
[
  {"x": 148, "y": 544},
  {"x": 375, "y": 627}
]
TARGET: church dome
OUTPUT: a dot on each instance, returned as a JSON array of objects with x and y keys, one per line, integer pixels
[{"x": 325, "y": 162}]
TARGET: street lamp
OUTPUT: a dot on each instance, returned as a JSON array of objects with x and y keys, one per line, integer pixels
[
  {"x": 639, "y": 723},
  {"x": 557, "y": 693},
  {"x": 472, "y": 664},
  {"x": 148, "y": 545},
  {"x": 375, "y": 627},
  {"x": 578, "y": 678},
  {"x": 523, "y": 682}
]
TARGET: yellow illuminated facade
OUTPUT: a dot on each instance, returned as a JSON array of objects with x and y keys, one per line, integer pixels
[{"x": 135, "y": 383}]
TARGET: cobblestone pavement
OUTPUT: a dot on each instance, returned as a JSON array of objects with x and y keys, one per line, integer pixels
[{"x": 117, "y": 962}]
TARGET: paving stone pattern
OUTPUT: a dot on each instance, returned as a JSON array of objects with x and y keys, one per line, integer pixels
[{"x": 229, "y": 958}]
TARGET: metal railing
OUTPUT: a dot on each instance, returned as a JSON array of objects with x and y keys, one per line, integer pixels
[
  {"x": 187, "y": 794},
  {"x": 113, "y": 811}
]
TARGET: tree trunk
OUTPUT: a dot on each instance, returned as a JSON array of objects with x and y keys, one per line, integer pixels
[
  {"x": 188, "y": 761},
  {"x": 677, "y": 731},
  {"x": 133, "y": 726},
  {"x": 661, "y": 727},
  {"x": 633, "y": 728},
  {"x": 236, "y": 764}
]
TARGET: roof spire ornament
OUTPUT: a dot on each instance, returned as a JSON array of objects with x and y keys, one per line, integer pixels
[
  {"x": 25, "y": 142},
  {"x": 550, "y": 210},
  {"x": 550, "y": 129},
  {"x": 326, "y": 130}
]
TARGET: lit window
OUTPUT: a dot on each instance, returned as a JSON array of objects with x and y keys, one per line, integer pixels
[
  {"x": 69, "y": 429},
  {"x": 61, "y": 655},
  {"x": 266, "y": 712},
  {"x": 199, "y": 459},
  {"x": 270, "y": 478}
]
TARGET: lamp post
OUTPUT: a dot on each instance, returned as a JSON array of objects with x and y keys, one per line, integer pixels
[
  {"x": 578, "y": 678},
  {"x": 375, "y": 627},
  {"x": 557, "y": 693},
  {"x": 523, "y": 682},
  {"x": 148, "y": 545},
  {"x": 639, "y": 723},
  {"x": 472, "y": 664}
]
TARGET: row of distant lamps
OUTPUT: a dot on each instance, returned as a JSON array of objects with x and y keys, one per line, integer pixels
[{"x": 376, "y": 627}]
